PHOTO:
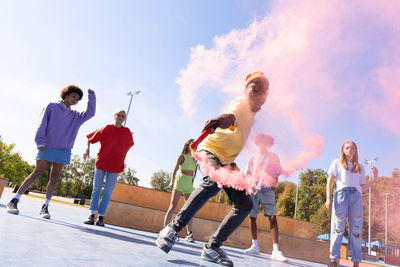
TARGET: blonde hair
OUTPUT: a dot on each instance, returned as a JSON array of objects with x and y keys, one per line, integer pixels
[
  {"x": 343, "y": 159},
  {"x": 118, "y": 111}
]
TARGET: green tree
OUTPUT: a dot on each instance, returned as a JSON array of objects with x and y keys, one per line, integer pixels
[
  {"x": 128, "y": 176},
  {"x": 312, "y": 193},
  {"x": 12, "y": 166},
  {"x": 286, "y": 200},
  {"x": 322, "y": 218},
  {"x": 160, "y": 180}
]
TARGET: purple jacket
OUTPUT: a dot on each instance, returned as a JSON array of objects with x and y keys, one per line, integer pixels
[{"x": 59, "y": 125}]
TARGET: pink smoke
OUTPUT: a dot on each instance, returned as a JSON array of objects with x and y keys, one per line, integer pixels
[
  {"x": 323, "y": 59},
  {"x": 234, "y": 178}
]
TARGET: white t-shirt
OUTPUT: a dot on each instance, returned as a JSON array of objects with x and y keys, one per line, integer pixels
[
  {"x": 346, "y": 178},
  {"x": 266, "y": 166}
]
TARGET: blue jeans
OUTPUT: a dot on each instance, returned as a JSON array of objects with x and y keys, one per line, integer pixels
[
  {"x": 347, "y": 203},
  {"x": 111, "y": 179}
]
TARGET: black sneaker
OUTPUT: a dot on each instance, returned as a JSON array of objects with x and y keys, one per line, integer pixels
[
  {"x": 45, "y": 212},
  {"x": 333, "y": 264},
  {"x": 216, "y": 255},
  {"x": 100, "y": 221},
  {"x": 12, "y": 206},
  {"x": 90, "y": 220},
  {"x": 166, "y": 238}
]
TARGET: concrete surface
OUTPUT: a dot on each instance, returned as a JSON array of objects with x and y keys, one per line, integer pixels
[{"x": 28, "y": 240}]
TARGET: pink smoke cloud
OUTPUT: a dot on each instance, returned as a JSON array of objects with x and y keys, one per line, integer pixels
[
  {"x": 234, "y": 178},
  {"x": 320, "y": 60}
]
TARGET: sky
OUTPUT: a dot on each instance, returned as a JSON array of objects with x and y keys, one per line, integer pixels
[{"x": 333, "y": 67}]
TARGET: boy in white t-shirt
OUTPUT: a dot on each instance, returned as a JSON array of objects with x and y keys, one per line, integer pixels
[{"x": 264, "y": 167}]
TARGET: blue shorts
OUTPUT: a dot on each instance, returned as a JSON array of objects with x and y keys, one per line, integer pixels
[
  {"x": 56, "y": 155},
  {"x": 267, "y": 200}
]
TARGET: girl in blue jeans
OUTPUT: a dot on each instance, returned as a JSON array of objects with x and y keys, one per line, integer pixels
[{"x": 350, "y": 180}]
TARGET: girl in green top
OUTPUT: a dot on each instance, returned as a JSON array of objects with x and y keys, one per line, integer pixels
[{"x": 183, "y": 185}]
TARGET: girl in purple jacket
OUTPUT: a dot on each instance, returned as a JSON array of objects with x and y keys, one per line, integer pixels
[{"x": 55, "y": 137}]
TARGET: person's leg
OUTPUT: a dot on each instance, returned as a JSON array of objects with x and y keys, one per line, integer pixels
[
  {"x": 338, "y": 223},
  {"x": 37, "y": 172},
  {"x": 242, "y": 205},
  {"x": 356, "y": 216},
  {"x": 253, "y": 228},
  {"x": 175, "y": 195},
  {"x": 254, "y": 249},
  {"x": 274, "y": 229},
  {"x": 55, "y": 172},
  {"x": 197, "y": 199},
  {"x": 97, "y": 186},
  {"x": 111, "y": 179},
  {"x": 12, "y": 206},
  {"x": 190, "y": 223}
]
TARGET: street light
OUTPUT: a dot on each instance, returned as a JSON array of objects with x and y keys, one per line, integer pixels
[
  {"x": 130, "y": 94},
  {"x": 369, "y": 162},
  {"x": 297, "y": 191},
  {"x": 386, "y": 220}
]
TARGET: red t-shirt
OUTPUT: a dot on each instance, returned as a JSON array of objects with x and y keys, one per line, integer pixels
[{"x": 114, "y": 144}]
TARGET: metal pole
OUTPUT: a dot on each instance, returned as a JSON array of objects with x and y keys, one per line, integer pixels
[
  {"x": 130, "y": 101},
  {"x": 386, "y": 221},
  {"x": 369, "y": 219},
  {"x": 369, "y": 162}
]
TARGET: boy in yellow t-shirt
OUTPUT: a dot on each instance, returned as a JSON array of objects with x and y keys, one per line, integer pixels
[{"x": 229, "y": 132}]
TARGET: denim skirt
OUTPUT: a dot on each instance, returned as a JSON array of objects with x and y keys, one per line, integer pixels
[{"x": 56, "y": 155}]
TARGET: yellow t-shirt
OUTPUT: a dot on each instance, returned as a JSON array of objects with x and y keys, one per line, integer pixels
[{"x": 226, "y": 144}]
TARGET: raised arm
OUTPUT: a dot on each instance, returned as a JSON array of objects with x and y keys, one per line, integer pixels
[
  {"x": 91, "y": 107},
  {"x": 179, "y": 161},
  {"x": 329, "y": 186}
]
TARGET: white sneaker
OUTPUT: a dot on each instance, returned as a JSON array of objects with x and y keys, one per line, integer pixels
[
  {"x": 277, "y": 255},
  {"x": 252, "y": 250}
]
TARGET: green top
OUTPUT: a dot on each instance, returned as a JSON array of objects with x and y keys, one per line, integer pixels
[{"x": 189, "y": 164}]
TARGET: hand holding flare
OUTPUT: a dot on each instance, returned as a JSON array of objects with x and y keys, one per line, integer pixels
[{"x": 203, "y": 135}]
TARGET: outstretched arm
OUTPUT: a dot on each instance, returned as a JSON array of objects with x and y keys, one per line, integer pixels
[{"x": 223, "y": 121}]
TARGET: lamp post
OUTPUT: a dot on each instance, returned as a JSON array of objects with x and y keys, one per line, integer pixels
[
  {"x": 130, "y": 94},
  {"x": 297, "y": 191},
  {"x": 369, "y": 162},
  {"x": 386, "y": 220}
]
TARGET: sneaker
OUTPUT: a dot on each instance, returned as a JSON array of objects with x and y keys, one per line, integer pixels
[
  {"x": 215, "y": 255},
  {"x": 45, "y": 212},
  {"x": 190, "y": 238},
  {"x": 166, "y": 238},
  {"x": 100, "y": 221},
  {"x": 277, "y": 256},
  {"x": 333, "y": 264},
  {"x": 252, "y": 250},
  {"x": 12, "y": 206},
  {"x": 90, "y": 220}
]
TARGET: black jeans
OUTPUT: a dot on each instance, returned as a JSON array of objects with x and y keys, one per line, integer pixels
[{"x": 242, "y": 205}]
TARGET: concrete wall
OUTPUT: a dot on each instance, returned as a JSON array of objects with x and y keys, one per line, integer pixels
[{"x": 144, "y": 209}]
